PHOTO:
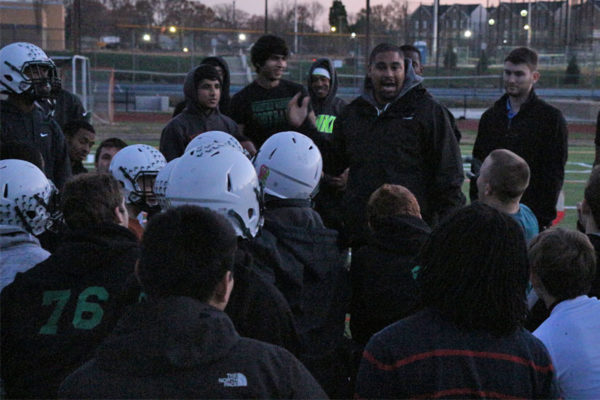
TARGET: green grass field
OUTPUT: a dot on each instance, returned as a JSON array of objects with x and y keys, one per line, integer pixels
[{"x": 581, "y": 157}]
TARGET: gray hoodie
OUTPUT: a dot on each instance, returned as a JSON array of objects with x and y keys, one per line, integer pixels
[{"x": 19, "y": 251}]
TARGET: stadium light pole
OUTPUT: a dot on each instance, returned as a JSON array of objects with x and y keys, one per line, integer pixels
[
  {"x": 368, "y": 30},
  {"x": 266, "y": 16}
]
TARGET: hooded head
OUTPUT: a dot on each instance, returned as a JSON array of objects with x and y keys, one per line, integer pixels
[
  {"x": 221, "y": 65},
  {"x": 322, "y": 76},
  {"x": 193, "y": 80}
]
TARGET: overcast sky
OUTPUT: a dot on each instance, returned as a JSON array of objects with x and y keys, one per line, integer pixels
[{"x": 352, "y": 6}]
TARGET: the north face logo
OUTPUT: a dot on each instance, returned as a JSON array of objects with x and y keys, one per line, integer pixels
[{"x": 236, "y": 379}]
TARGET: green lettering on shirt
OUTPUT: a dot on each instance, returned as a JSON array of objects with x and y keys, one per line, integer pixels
[
  {"x": 325, "y": 122},
  {"x": 89, "y": 314},
  {"x": 60, "y": 297}
]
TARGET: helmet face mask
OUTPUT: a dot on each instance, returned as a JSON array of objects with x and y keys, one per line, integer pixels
[
  {"x": 28, "y": 198},
  {"x": 26, "y": 70},
  {"x": 136, "y": 168}
]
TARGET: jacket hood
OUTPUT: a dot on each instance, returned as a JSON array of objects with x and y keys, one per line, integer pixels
[
  {"x": 11, "y": 236},
  {"x": 300, "y": 231},
  {"x": 167, "y": 334},
  {"x": 333, "y": 85},
  {"x": 411, "y": 80},
  {"x": 83, "y": 247},
  {"x": 405, "y": 234},
  {"x": 226, "y": 74}
]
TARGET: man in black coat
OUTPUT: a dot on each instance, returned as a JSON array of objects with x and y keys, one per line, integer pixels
[
  {"x": 180, "y": 343},
  {"x": 528, "y": 126},
  {"x": 55, "y": 314},
  {"x": 395, "y": 132},
  {"x": 26, "y": 75}
]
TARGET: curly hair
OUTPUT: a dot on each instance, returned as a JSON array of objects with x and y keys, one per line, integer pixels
[
  {"x": 474, "y": 270},
  {"x": 265, "y": 47}
]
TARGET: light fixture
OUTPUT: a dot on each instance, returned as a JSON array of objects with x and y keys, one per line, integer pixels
[
  {"x": 146, "y": 37},
  {"x": 333, "y": 29},
  {"x": 185, "y": 49},
  {"x": 172, "y": 29},
  {"x": 468, "y": 33},
  {"x": 353, "y": 35},
  {"x": 242, "y": 37},
  {"x": 491, "y": 21},
  {"x": 526, "y": 27},
  {"x": 524, "y": 13}
]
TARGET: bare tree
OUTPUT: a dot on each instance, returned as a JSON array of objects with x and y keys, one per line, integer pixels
[{"x": 315, "y": 9}]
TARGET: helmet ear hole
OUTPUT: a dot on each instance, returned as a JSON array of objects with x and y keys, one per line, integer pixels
[
  {"x": 5, "y": 191},
  {"x": 229, "y": 186},
  {"x": 8, "y": 78},
  {"x": 250, "y": 213}
]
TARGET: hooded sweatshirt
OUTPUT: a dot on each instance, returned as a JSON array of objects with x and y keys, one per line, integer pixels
[
  {"x": 383, "y": 288},
  {"x": 54, "y": 315},
  {"x": 179, "y": 347},
  {"x": 19, "y": 251},
  {"x": 225, "y": 97},
  {"x": 301, "y": 256},
  {"x": 329, "y": 108},
  {"x": 194, "y": 120}
]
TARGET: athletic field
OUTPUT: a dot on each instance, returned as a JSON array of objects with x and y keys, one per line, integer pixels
[{"x": 145, "y": 128}]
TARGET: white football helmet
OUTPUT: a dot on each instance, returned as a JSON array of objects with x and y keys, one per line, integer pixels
[
  {"x": 289, "y": 166},
  {"x": 216, "y": 137},
  {"x": 136, "y": 167},
  {"x": 160, "y": 184},
  {"x": 26, "y": 196},
  {"x": 221, "y": 179},
  {"x": 18, "y": 58}
]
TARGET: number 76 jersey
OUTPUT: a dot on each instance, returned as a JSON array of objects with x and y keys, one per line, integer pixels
[{"x": 56, "y": 314}]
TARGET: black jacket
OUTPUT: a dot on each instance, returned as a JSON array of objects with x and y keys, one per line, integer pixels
[
  {"x": 303, "y": 259},
  {"x": 409, "y": 142},
  {"x": 55, "y": 314},
  {"x": 538, "y": 133},
  {"x": 383, "y": 288},
  {"x": 193, "y": 121},
  {"x": 257, "y": 308},
  {"x": 178, "y": 347},
  {"x": 40, "y": 131},
  {"x": 301, "y": 256},
  {"x": 67, "y": 108}
]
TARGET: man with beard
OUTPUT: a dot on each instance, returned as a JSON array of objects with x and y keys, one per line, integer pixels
[
  {"x": 528, "y": 126},
  {"x": 396, "y": 133}
]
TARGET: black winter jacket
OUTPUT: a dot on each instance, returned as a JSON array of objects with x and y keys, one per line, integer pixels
[
  {"x": 193, "y": 121},
  {"x": 257, "y": 308},
  {"x": 179, "y": 347},
  {"x": 409, "y": 142},
  {"x": 383, "y": 288},
  {"x": 303, "y": 259},
  {"x": 57, "y": 313},
  {"x": 301, "y": 256},
  {"x": 40, "y": 131},
  {"x": 538, "y": 133}
]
